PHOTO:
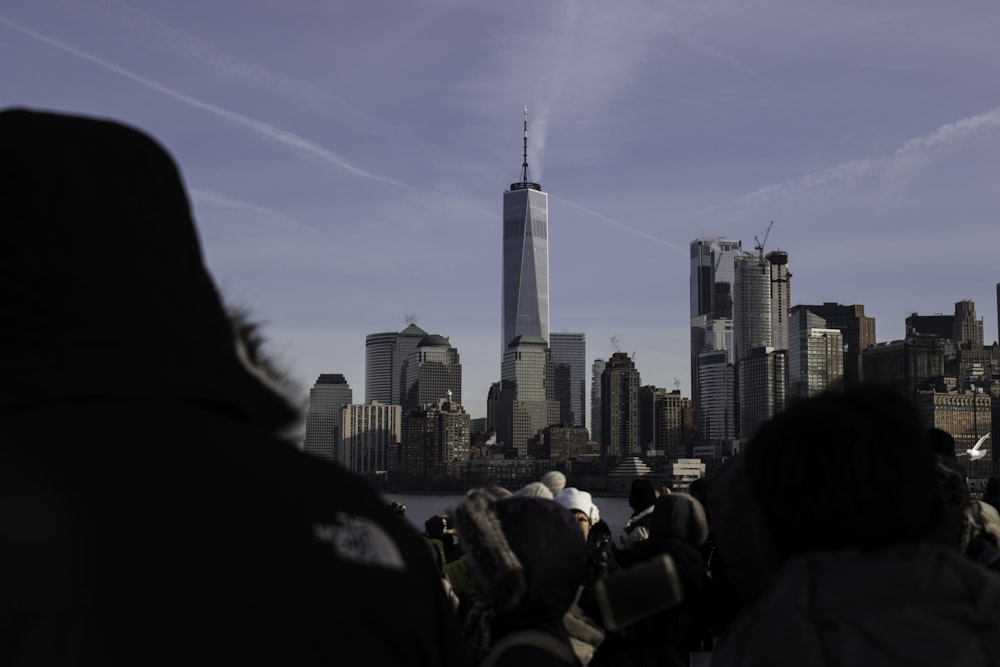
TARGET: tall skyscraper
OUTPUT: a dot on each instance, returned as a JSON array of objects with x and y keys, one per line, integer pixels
[
  {"x": 527, "y": 394},
  {"x": 385, "y": 355},
  {"x": 597, "y": 368},
  {"x": 620, "y": 407},
  {"x": 432, "y": 372},
  {"x": 780, "y": 298},
  {"x": 525, "y": 257},
  {"x": 713, "y": 268},
  {"x": 569, "y": 356},
  {"x": 323, "y": 419},
  {"x": 751, "y": 305}
]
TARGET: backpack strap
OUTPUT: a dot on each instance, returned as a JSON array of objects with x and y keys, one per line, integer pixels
[{"x": 534, "y": 638}]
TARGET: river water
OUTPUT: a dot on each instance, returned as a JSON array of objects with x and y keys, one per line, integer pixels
[{"x": 615, "y": 511}]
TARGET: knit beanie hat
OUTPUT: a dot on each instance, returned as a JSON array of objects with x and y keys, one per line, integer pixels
[
  {"x": 534, "y": 490},
  {"x": 574, "y": 499},
  {"x": 555, "y": 480}
]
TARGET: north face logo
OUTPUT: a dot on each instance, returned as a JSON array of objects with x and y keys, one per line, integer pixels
[{"x": 360, "y": 540}]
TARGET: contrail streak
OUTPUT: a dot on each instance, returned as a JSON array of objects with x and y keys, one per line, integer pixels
[
  {"x": 288, "y": 139},
  {"x": 854, "y": 170},
  {"x": 633, "y": 230}
]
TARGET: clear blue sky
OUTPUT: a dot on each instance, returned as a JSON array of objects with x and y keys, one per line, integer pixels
[{"x": 346, "y": 160}]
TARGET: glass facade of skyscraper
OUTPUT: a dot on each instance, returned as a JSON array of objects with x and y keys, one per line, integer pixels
[
  {"x": 525, "y": 263},
  {"x": 569, "y": 356}
]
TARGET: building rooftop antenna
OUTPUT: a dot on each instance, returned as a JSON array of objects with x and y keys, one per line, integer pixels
[{"x": 525, "y": 183}]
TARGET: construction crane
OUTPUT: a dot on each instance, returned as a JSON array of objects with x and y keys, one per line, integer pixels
[{"x": 760, "y": 244}]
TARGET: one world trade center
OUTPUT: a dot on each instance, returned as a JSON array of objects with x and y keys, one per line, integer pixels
[{"x": 525, "y": 257}]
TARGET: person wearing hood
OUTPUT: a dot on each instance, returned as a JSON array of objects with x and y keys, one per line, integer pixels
[
  {"x": 679, "y": 529},
  {"x": 153, "y": 509},
  {"x": 525, "y": 560},
  {"x": 848, "y": 521},
  {"x": 641, "y": 498}
]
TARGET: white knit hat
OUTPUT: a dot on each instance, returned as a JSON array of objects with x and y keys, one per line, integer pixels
[
  {"x": 555, "y": 480},
  {"x": 574, "y": 499},
  {"x": 534, "y": 490}
]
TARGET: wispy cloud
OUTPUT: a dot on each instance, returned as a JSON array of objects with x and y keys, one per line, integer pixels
[
  {"x": 218, "y": 200},
  {"x": 911, "y": 153},
  {"x": 621, "y": 225},
  {"x": 294, "y": 142},
  {"x": 156, "y": 34}
]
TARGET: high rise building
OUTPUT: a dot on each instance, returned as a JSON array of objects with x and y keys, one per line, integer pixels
[
  {"x": 370, "y": 432},
  {"x": 857, "y": 330},
  {"x": 379, "y": 348},
  {"x": 716, "y": 418},
  {"x": 909, "y": 364},
  {"x": 527, "y": 394},
  {"x": 432, "y": 372},
  {"x": 323, "y": 419},
  {"x": 662, "y": 421},
  {"x": 751, "y": 304},
  {"x": 780, "y": 298},
  {"x": 595, "y": 399},
  {"x": 815, "y": 355},
  {"x": 620, "y": 407},
  {"x": 713, "y": 266},
  {"x": 569, "y": 357},
  {"x": 385, "y": 355},
  {"x": 436, "y": 441},
  {"x": 763, "y": 390},
  {"x": 968, "y": 328},
  {"x": 525, "y": 258},
  {"x": 967, "y": 416}
]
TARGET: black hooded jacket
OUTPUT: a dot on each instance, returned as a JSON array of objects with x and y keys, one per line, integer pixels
[{"x": 150, "y": 515}]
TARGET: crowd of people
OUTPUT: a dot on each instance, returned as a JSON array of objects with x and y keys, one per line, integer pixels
[{"x": 155, "y": 511}]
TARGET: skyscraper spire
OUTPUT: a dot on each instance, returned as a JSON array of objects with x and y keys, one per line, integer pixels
[
  {"x": 525, "y": 183},
  {"x": 524, "y": 165}
]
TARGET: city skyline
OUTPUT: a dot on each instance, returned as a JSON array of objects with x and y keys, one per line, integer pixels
[{"x": 345, "y": 163}]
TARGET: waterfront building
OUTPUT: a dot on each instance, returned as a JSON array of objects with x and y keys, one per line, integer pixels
[
  {"x": 371, "y": 431},
  {"x": 595, "y": 399},
  {"x": 385, "y": 355},
  {"x": 527, "y": 394},
  {"x": 323, "y": 418},
  {"x": 569, "y": 358},
  {"x": 620, "y": 407},
  {"x": 433, "y": 372},
  {"x": 525, "y": 289},
  {"x": 436, "y": 441},
  {"x": 566, "y": 441},
  {"x": 967, "y": 416}
]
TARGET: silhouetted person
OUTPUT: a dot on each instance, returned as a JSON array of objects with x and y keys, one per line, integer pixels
[
  {"x": 848, "y": 498},
  {"x": 151, "y": 512}
]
